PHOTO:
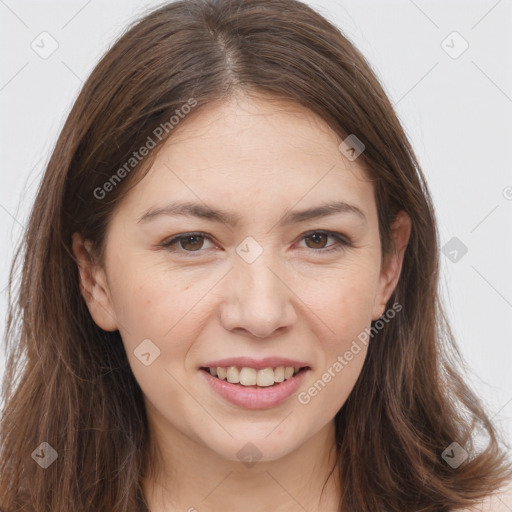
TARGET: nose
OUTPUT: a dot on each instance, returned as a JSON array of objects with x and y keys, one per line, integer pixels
[{"x": 259, "y": 300}]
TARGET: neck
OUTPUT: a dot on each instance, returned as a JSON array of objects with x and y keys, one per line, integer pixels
[{"x": 194, "y": 478}]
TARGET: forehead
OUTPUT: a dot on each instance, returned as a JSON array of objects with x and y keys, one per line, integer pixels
[{"x": 251, "y": 154}]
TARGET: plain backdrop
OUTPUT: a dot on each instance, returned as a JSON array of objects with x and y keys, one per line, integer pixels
[{"x": 447, "y": 67}]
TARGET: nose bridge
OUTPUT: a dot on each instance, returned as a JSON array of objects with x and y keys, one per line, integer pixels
[{"x": 259, "y": 300}]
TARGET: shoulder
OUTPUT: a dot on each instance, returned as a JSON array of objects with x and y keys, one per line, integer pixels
[{"x": 499, "y": 501}]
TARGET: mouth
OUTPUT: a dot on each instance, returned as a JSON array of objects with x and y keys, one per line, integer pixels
[{"x": 247, "y": 377}]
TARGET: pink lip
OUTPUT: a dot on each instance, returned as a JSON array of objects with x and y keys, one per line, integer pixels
[
  {"x": 258, "y": 364},
  {"x": 255, "y": 398}
]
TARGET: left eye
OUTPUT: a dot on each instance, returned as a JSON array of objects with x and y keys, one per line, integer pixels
[
  {"x": 318, "y": 236},
  {"x": 192, "y": 242}
]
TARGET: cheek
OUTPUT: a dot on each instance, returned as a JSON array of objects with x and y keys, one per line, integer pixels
[
  {"x": 343, "y": 351},
  {"x": 147, "y": 303},
  {"x": 345, "y": 308},
  {"x": 344, "y": 302},
  {"x": 159, "y": 320},
  {"x": 168, "y": 308}
]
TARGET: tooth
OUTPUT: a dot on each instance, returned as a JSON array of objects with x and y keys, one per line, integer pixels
[
  {"x": 279, "y": 374},
  {"x": 265, "y": 377},
  {"x": 248, "y": 376},
  {"x": 288, "y": 372},
  {"x": 233, "y": 375}
]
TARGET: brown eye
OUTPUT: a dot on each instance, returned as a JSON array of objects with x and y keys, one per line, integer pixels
[
  {"x": 319, "y": 240},
  {"x": 188, "y": 243},
  {"x": 191, "y": 242}
]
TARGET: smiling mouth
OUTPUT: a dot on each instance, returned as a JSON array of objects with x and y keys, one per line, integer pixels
[{"x": 252, "y": 378}]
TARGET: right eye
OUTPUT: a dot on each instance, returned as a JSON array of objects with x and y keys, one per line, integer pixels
[{"x": 190, "y": 240}]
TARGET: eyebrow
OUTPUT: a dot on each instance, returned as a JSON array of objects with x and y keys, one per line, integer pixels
[{"x": 191, "y": 209}]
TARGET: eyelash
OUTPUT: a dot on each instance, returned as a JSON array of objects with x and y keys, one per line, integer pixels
[{"x": 342, "y": 242}]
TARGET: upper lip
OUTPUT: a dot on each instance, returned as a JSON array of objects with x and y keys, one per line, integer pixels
[{"x": 258, "y": 364}]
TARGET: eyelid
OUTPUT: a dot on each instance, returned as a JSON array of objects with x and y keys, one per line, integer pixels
[
  {"x": 343, "y": 241},
  {"x": 166, "y": 244},
  {"x": 340, "y": 237}
]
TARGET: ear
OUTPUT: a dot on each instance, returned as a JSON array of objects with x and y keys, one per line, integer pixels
[
  {"x": 392, "y": 263},
  {"x": 94, "y": 285}
]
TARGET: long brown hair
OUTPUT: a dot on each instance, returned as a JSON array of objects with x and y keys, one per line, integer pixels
[{"x": 68, "y": 383}]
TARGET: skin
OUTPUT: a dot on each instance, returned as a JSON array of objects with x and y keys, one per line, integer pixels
[
  {"x": 258, "y": 158},
  {"x": 500, "y": 501}
]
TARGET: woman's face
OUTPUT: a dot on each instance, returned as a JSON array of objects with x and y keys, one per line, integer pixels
[{"x": 261, "y": 285}]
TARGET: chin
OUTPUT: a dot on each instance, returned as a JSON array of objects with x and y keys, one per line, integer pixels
[{"x": 251, "y": 449}]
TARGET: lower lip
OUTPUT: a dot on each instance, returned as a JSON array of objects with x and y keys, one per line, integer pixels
[{"x": 255, "y": 398}]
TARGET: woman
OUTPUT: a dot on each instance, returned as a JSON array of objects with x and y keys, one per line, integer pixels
[{"x": 270, "y": 369}]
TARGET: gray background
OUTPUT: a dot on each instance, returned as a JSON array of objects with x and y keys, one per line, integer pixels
[{"x": 455, "y": 105}]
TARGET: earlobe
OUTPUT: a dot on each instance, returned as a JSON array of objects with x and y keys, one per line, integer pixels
[
  {"x": 93, "y": 285},
  {"x": 392, "y": 264}
]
